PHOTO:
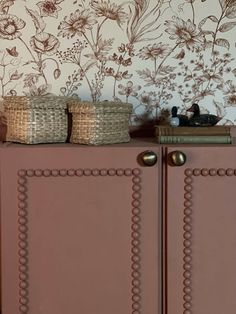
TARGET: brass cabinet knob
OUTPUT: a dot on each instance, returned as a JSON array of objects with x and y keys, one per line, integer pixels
[
  {"x": 176, "y": 158},
  {"x": 148, "y": 158}
]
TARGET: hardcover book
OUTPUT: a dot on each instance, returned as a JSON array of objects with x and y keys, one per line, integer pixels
[
  {"x": 162, "y": 130},
  {"x": 194, "y": 139}
]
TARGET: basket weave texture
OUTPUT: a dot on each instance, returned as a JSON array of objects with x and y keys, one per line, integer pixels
[
  {"x": 33, "y": 120},
  {"x": 100, "y": 123}
]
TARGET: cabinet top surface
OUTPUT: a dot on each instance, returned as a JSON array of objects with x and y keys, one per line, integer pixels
[
  {"x": 135, "y": 142},
  {"x": 144, "y": 142}
]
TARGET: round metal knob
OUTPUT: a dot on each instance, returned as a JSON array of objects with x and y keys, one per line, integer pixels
[
  {"x": 148, "y": 158},
  {"x": 177, "y": 158}
]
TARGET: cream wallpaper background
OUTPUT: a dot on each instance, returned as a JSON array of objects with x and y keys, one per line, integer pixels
[{"x": 151, "y": 53}]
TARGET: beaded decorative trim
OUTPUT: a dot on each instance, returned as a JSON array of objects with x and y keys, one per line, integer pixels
[
  {"x": 23, "y": 228},
  {"x": 23, "y": 243},
  {"x": 188, "y": 227},
  {"x": 187, "y": 242}
]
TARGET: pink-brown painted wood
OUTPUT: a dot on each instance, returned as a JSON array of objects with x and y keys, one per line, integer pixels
[
  {"x": 200, "y": 232},
  {"x": 80, "y": 230}
]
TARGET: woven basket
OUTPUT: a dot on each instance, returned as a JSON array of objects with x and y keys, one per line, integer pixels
[
  {"x": 32, "y": 120},
  {"x": 100, "y": 123}
]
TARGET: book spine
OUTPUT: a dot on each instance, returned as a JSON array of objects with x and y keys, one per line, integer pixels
[
  {"x": 195, "y": 139},
  {"x": 179, "y": 131}
]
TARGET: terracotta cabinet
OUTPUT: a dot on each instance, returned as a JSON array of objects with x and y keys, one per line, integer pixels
[
  {"x": 200, "y": 219},
  {"x": 94, "y": 230},
  {"x": 79, "y": 230}
]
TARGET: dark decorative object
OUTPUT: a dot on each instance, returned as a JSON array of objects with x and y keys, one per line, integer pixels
[
  {"x": 181, "y": 119},
  {"x": 198, "y": 119},
  {"x": 147, "y": 127}
]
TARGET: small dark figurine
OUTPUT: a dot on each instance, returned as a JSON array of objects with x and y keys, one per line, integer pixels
[
  {"x": 198, "y": 119},
  {"x": 178, "y": 119}
]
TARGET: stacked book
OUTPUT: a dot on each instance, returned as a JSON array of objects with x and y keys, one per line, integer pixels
[{"x": 193, "y": 135}]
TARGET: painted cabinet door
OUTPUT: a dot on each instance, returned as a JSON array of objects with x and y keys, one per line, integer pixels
[
  {"x": 80, "y": 230},
  {"x": 201, "y": 232}
]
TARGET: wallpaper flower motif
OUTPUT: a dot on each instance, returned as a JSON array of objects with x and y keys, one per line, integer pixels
[
  {"x": 44, "y": 43},
  {"x": 185, "y": 33},
  {"x": 49, "y": 8},
  {"x": 151, "y": 53},
  {"x": 109, "y": 10},
  {"x": 10, "y": 26},
  {"x": 76, "y": 24}
]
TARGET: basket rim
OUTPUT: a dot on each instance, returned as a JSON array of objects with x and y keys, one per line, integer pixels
[
  {"x": 35, "y": 102},
  {"x": 78, "y": 106}
]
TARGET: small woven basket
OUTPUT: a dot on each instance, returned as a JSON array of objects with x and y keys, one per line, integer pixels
[
  {"x": 100, "y": 123},
  {"x": 33, "y": 120}
]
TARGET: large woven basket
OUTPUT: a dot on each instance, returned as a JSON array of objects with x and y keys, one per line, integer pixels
[
  {"x": 100, "y": 123},
  {"x": 33, "y": 120}
]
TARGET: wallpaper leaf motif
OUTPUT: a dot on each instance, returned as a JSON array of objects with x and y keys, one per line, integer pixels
[
  {"x": 222, "y": 42},
  {"x": 152, "y": 53},
  {"x": 38, "y": 21}
]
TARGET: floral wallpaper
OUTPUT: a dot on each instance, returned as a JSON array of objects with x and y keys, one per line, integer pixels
[{"x": 151, "y": 53}]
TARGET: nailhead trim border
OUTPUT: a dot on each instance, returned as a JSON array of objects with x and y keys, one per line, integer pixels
[
  {"x": 23, "y": 254},
  {"x": 188, "y": 227}
]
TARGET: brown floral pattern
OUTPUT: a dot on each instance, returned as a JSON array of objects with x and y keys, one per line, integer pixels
[
  {"x": 151, "y": 53},
  {"x": 109, "y": 10},
  {"x": 45, "y": 43},
  {"x": 76, "y": 24},
  {"x": 10, "y": 26},
  {"x": 49, "y": 8},
  {"x": 154, "y": 51},
  {"x": 4, "y": 5},
  {"x": 185, "y": 33}
]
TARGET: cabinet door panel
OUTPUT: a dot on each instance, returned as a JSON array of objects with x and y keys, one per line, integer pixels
[
  {"x": 79, "y": 231},
  {"x": 201, "y": 233}
]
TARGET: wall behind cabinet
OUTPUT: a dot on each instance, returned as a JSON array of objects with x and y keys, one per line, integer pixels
[{"x": 152, "y": 53}]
